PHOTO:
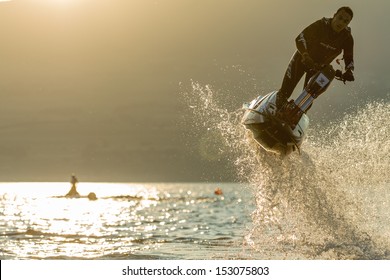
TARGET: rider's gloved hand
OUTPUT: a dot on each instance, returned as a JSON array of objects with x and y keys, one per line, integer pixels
[
  {"x": 339, "y": 74},
  {"x": 307, "y": 61},
  {"x": 348, "y": 76}
]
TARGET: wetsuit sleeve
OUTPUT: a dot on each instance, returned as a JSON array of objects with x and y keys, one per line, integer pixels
[
  {"x": 308, "y": 35},
  {"x": 348, "y": 54}
]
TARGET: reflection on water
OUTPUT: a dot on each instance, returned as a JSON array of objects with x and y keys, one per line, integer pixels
[{"x": 183, "y": 221}]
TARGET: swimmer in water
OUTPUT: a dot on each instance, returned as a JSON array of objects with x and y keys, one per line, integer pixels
[{"x": 73, "y": 191}]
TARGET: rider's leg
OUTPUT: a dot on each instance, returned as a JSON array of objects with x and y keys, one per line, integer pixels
[{"x": 293, "y": 75}]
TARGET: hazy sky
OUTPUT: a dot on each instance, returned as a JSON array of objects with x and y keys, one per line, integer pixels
[{"x": 94, "y": 86}]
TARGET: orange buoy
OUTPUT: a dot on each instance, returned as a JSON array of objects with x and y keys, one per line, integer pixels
[{"x": 218, "y": 191}]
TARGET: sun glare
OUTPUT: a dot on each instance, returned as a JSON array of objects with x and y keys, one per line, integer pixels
[{"x": 62, "y": 3}]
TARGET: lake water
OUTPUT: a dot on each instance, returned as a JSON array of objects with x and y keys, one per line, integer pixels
[
  {"x": 128, "y": 221},
  {"x": 189, "y": 221}
]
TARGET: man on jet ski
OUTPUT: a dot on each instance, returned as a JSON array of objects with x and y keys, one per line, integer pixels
[{"x": 319, "y": 44}]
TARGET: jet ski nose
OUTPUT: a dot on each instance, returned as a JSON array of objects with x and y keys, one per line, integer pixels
[{"x": 269, "y": 130}]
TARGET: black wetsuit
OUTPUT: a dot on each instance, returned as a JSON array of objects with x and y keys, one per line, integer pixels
[{"x": 323, "y": 45}]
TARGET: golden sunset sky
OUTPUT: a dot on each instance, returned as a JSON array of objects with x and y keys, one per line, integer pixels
[{"x": 94, "y": 86}]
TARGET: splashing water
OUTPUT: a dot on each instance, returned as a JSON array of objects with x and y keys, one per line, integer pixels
[{"x": 330, "y": 202}]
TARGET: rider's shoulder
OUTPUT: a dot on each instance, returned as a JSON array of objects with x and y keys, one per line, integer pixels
[
  {"x": 326, "y": 20},
  {"x": 322, "y": 22},
  {"x": 347, "y": 33}
]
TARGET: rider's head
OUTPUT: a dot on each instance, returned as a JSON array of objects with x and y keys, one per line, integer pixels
[{"x": 341, "y": 18}]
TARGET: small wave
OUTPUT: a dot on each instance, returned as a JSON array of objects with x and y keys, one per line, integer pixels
[
  {"x": 129, "y": 256},
  {"x": 32, "y": 233},
  {"x": 29, "y": 232},
  {"x": 129, "y": 197}
]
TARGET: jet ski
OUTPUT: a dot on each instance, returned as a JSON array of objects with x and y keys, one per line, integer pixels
[{"x": 282, "y": 130}]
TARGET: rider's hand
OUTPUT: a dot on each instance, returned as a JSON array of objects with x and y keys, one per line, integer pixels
[
  {"x": 348, "y": 76},
  {"x": 307, "y": 61}
]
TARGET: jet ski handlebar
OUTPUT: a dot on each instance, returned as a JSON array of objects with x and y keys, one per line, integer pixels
[{"x": 338, "y": 73}]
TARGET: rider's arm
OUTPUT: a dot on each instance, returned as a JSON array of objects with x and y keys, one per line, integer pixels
[{"x": 348, "y": 53}]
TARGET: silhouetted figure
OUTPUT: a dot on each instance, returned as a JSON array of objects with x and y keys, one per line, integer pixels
[{"x": 73, "y": 191}]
